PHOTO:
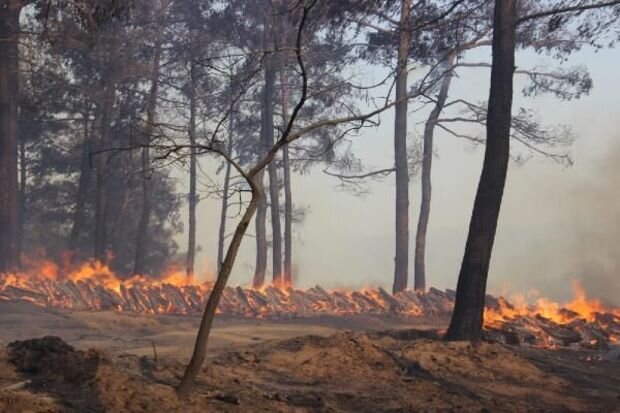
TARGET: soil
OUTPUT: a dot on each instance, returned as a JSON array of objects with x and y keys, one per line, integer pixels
[{"x": 389, "y": 369}]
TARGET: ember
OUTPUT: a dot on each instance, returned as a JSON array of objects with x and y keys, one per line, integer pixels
[{"x": 91, "y": 286}]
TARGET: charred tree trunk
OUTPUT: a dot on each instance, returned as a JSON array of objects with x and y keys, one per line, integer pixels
[
  {"x": 288, "y": 194},
  {"x": 419, "y": 277},
  {"x": 261, "y": 212},
  {"x": 223, "y": 215},
  {"x": 192, "y": 198},
  {"x": 101, "y": 207},
  {"x": 260, "y": 223},
  {"x": 145, "y": 216},
  {"x": 9, "y": 81},
  {"x": 83, "y": 185},
  {"x": 401, "y": 260},
  {"x": 274, "y": 189},
  {"x": 261, "y": 235},
  {"x": 467, "y": 319},
  {"x": 23, "y": 178},
  {"x": 225, "y": 195},
  {"x": 288, "y": 219},
  {"x": 286, "y": 42}
]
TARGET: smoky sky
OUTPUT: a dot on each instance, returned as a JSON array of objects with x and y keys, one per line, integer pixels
[{"x": 557, "y": 223}]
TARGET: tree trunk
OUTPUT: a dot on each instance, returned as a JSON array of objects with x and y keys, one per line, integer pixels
[
  {"x": 288, "y": 194},
  {"x": 142, "y": 233},
  {"x": 401, "y": 260},
  {"x": 225, "y": 195},
  {"x": 101, "y": 207},
  {"x": 200, "y": 348},
  {"x": 261, "y": 235},
  {"x": 23, "y": 180},
  {"x": 261, "y": 212},
  {"x": 467, "y": 319},
  {"x": 192, "y": 198},
  {"x": 223, "y": 217},
  {"x": 119, "y": 214},
  {"x": 83, "y": 185},
  {"x": 419, "y": 277},
  {"x": 274, "y": 190},
  {"x": 143, "y": 225},
  {"x": 9, "y": 90}
]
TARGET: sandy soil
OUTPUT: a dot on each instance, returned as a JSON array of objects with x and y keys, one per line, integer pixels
[
  {"x": 173, "y": 335},
  {"x": 377, "y": 365}
]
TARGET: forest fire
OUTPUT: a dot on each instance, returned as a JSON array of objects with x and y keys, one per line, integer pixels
[{"x": 92, "y": 286}]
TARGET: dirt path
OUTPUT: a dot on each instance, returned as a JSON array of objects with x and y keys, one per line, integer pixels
[{"x": 173, "y": 335}]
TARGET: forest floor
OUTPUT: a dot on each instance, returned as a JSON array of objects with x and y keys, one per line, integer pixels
[{"x": 337, "y": 364}]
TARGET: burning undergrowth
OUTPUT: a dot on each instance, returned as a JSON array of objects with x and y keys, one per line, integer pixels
[{"x": 91, "y": 286}]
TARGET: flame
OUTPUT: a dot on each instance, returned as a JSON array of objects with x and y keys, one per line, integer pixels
[
  {"x": 96, "y": 271},
  {"x": 580, "y": 307},
  {"x": 37, "y": 270},
  {"x": 93, "y": 285}
]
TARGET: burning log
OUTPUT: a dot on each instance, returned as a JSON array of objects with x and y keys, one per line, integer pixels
[
  {"x": 73, "y": 292},
  {"x": 366, "y": 303},
  {"x": 247, "y": 307},
  {"x": 14, "y": 293},
  {"x": 108, "y": 299},
  {"x": 300, "y": 301},
  {"x": 563, "y": 334},
  {"x": 390, "y": 303},
  {"x": 258, "y": 302},
  {"x": 176, "y": 299},
  {"x": 504, "y": 322}
]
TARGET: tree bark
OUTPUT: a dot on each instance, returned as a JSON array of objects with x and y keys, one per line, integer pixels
[
  {"x": 23, "y": 178},
  {"x": 192, "y": 197},
  {"x": 9, "y": 90},
  {"x": 288, "y": 194},
  {"x": 223, "y": 215},
  {"x": 419, "y": 277},
  {"x": 401, "y": 260},
  {"x": 83, "y": 184},
  {"x": 224, "y": 210},
  {"x": 467, "y": 319},
  {"x": 261, "y": 212},
  {"x": 274, "y": 189},
  {"x": 145, "y": 216},
  {"x": 261, "y": 235}
]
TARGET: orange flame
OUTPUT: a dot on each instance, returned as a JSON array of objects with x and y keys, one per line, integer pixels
[
  {"x": 580, "y": 307},
  {"x": 38, "y": 269}
]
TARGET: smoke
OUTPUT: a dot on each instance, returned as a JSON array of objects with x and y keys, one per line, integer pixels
[
  {"x": 594, "y": 207},
  {"x": 559, "y": 227}
]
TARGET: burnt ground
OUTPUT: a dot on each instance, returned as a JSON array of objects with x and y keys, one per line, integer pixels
[{"x": 389, "y": 369}]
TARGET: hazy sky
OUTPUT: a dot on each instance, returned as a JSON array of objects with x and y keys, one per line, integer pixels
[{"x": 557, "y": 223}]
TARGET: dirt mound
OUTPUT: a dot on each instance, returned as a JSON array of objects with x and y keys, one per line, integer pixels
[
  {"x": 51, "y": 357},
  {"x": 405, "y": 371},
  {"x": 327, "y": 357},
  {"x": 60, "y": 378},
  {"x": 474, "y": 362}
]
